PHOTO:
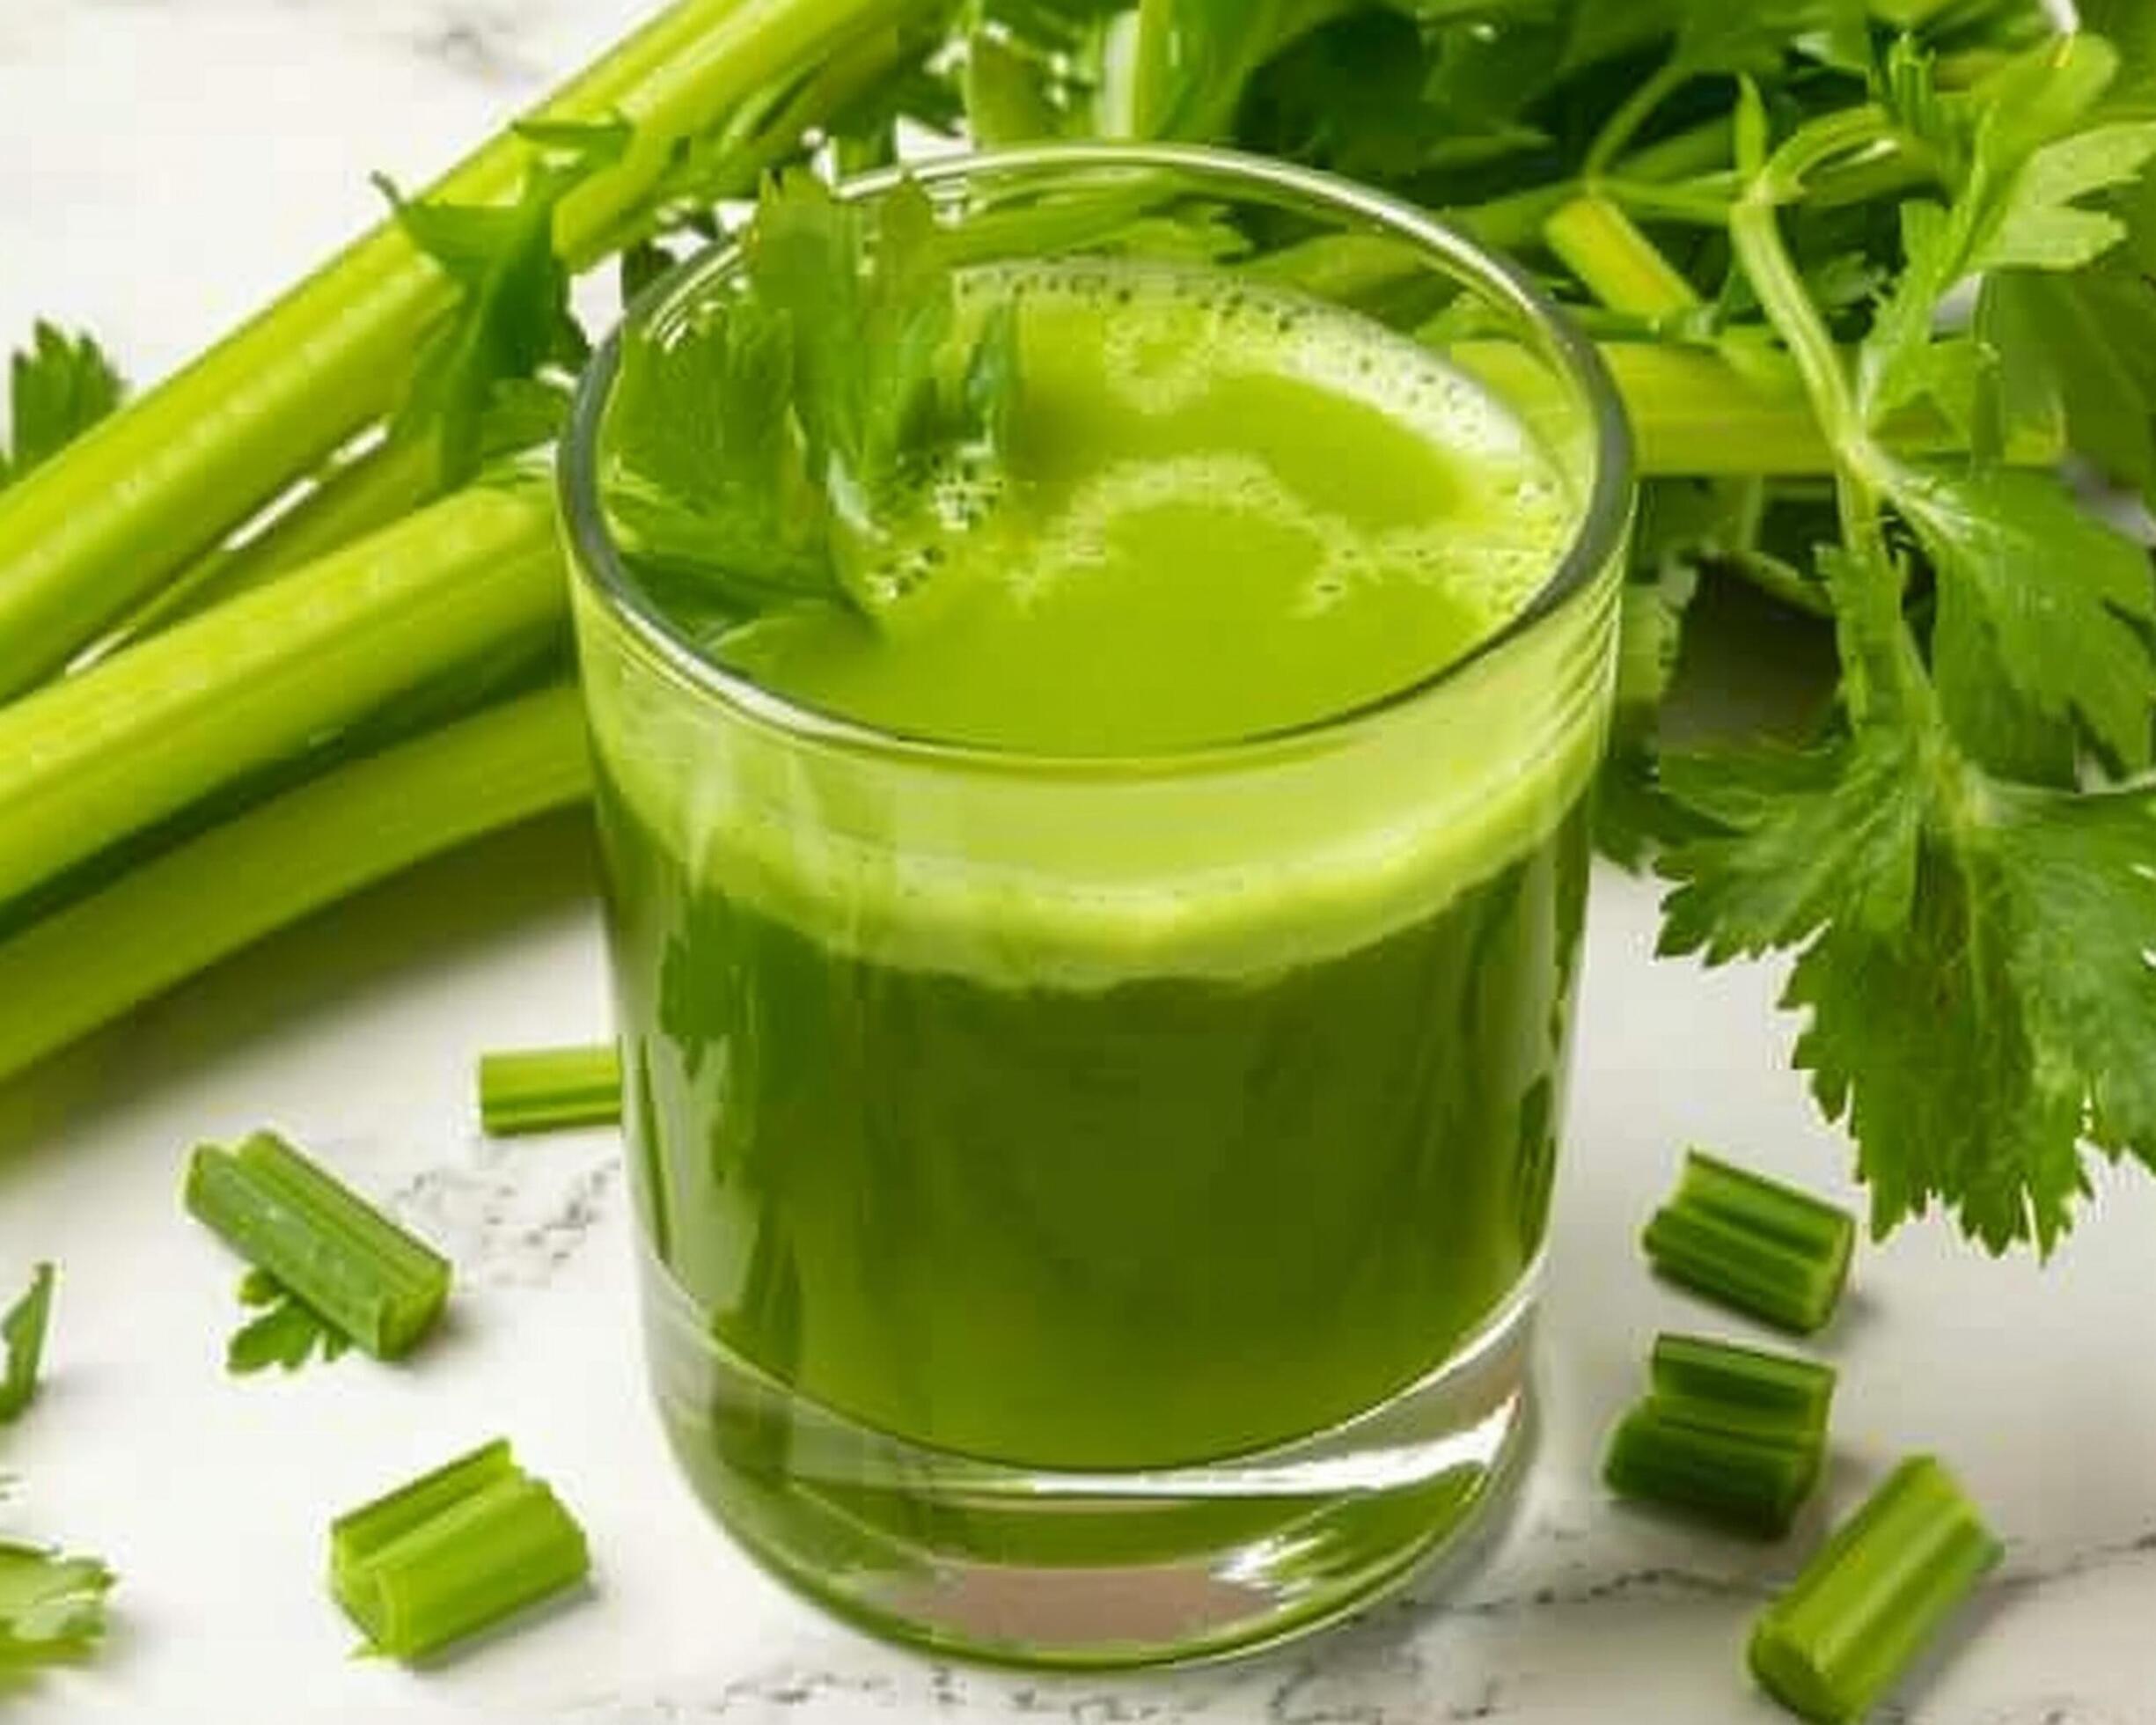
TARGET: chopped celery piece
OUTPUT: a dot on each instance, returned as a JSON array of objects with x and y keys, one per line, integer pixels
[
  {"x": 1729, "y": 1433},
  {"x": 1744, "y": 1480},
  {"x": 1726, "y": 1387},
  {"x": 541, "y": 1090},
  {"x": 453, "y": 1552},
  {"x": 1750, "y": 1243},
  {"x": 23, "y": 1331},
  {"x": 1883, "y": 1583},
  {"x": 331, "y": 1248}
]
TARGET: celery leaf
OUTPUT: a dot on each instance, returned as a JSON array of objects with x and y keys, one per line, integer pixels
[
  {"x": 285, "y": 1331},
  {"x": 2065, "y": 598},
  {"x": 59, "y": 387},
  {"x": 52, "y": 1608},
  {"x": 22, "y": 1330},
  {"x": 512, "y": 324},
  {"x": 782, "y": 445}
]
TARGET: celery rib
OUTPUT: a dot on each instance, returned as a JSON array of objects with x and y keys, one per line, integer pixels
[
  {"x": 1733, "y": 1434},
  {"x": 453, "y": 1552},
  {"x": 363, "y": 495},
  {"x": 1876, "y": 1593},
  {"x": 380, "y": 1285},
  {"x": 1750, "y": 1243},
  {"x": 1753, "y": 1484},
  {"x": 91, "y": 760},
  {"x": 87, "y": 536},
  {"x": 1696, "y": 1382},
  {"x": 545, "y": 1089},
  {"x": 183, "y": 910},
  {"x": 1616, "y": 262}
]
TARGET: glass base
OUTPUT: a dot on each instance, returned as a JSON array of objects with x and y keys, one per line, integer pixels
[{"x": 1032, "y": 1566}]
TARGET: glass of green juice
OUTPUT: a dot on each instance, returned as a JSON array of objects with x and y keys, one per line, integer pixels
[{"x": 1094, "y": 1050}]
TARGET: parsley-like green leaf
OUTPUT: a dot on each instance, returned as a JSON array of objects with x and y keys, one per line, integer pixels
[
  {"x": 52, "y": 1608},
  {"x": 1973, "y": 1049},
  {"x": 781, "y": 446},
  {"x": 2064, "y": 598},
  {"x": 2019, "y": 165},
  {"x": 58, "y": 388},
  {"x": 285, "y": 1331},
  {"x": 22, "y": 1332},
  {"x": 2040, "y": 223},
  {"x": 1802, "y": 838},
  {"x": 2090, "y": 339},
  {"x": 512, "y": 320}
]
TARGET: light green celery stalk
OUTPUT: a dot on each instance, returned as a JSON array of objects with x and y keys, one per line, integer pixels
[
  {"x": 89, "y": 536},
  {"x": 159, "y": 729},
  {"x": 189, "y": 907}
]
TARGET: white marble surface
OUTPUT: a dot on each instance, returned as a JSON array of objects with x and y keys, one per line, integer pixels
[{"x": 165, "y": 164}]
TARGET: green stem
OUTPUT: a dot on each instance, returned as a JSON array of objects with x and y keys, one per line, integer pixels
[
  {"x": 1755, "y": 1484},
  {"x": 358, "y": 497},
  {"x": 543, "y": 1089},
  {"x": 1692, "y": 412},
  {"x": 288, "y": 1217},
  {"x": 98, "y": 757},
  {"x": 186, "y": 908},
  {"x": 1716, "y": 1383},
  {"x": 453, "y": 1552},
  {"x": 1752, "y": 1243},
  {"x": 1636, "y": 110},
  {"x": 1879, "y": 1589},
  {"x": 1616, "y": 262},
  {"x": 87, "y": 536}
]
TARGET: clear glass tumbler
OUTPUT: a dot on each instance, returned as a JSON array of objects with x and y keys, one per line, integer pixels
[{"x": 1090, "y": 1209}]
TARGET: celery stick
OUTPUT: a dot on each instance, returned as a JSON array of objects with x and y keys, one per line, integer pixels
[
  {"x": 541, "y": 1090},
  {"x": 87, "y": 536},
  {"x": 1615, "y": 261},
  {"x": 453, "y": 1552},
  {"x": 1754, "y": 1484},
  {"x": 1750, "y": 1243},
  {"x": 185, "y": 909},
  {"x": 380, "y": 1284},
  {"x": 96, "y": 758},
  {"x": 1880, "y": 1587},
  {"x": 362, "y": 496},
  {"x": 1698, "y": 1382}
]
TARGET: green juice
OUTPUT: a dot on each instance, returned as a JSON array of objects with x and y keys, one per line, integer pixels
[{"x": 1124, "y": 1072}]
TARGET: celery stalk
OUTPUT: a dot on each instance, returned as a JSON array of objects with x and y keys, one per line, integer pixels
[
  {"x": 1755, "y": 1484},
  {"x": 361, "y": 496},
  {"x": 540, "y": 1090},
  {"x": 453, "y": 1552},
  {"x": 1699, "y": 1382},
  {"x": 1752, "y": 1243},
  {"x": 87, "y": 536},
  {"x": 379, "y": 1284},
  {"x": 183, "y": 910},
  {"x": 94, "y": 758},
  {"x": 1880, "y": 1587},
  {"x": 1732, "y": 1434},
  {"x": 1619, "y": 265}
]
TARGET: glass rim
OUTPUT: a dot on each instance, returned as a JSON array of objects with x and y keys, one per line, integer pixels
[{"x": 1595, "y": 538}]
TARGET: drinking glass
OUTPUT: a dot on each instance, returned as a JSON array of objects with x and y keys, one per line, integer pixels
[{"x": 1090, "y": 1209}]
